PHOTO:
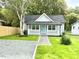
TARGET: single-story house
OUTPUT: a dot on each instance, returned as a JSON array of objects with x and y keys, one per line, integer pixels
[
  {"x": 44, "y": 24},
  {"x": 75, "y": 28}
]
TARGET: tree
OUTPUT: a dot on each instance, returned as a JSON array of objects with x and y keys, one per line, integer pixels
[
  {"x": 76, "y": 10},
  {"x": 53, "y": 7},
  {"x": 9, "y": 16},
  {"x": 19, "y": 6},
  {"x": 72, "y": 15},
  {"x": 70, "y": 19}
]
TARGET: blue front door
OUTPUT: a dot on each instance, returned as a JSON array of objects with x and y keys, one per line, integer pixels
[{"x": 43, "y": 29}]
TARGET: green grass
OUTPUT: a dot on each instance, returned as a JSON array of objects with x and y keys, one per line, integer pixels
[
  {"x": 16, "y": 37},
  {"x": 59, "y": 51}
]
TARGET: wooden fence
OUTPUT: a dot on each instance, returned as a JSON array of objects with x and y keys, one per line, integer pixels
[{"x": 5, "y": 30}]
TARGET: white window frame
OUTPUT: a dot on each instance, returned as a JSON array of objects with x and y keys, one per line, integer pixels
[
  {"x": 34, "y": 27},
  {"x": 31, "y": 27},
  {"x": 51, "y": 27}
]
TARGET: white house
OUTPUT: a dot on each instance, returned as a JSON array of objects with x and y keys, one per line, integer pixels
[
  {"x": 44, "y": 24},
  {"x": 75, "y": 28}
]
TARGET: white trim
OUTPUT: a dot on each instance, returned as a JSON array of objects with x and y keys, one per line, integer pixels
[
  {"x": 28, "y": 29},
  {"x": 39, "y": 29},
  {"x": 47, "y": 28},
  {"x": 48, "y": 32},
  {"x": 42, "y": 16}
]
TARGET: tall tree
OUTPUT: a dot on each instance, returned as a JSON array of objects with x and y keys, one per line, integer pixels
[
  {"x": 19, "y": 6},
  {"x": 71, "y": 18},
  {"x": 9, "y": 16},
  {"x": 46, "y": 6}
]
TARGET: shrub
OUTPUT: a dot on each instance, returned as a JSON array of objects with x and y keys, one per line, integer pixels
[{"x": 65, "y": 40}]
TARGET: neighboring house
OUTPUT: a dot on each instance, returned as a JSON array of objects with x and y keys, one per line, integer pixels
[
  {"x": 75, "y": 28},
  {"x": 1, "y": 22},
  {"x": 44, "y": 24}
]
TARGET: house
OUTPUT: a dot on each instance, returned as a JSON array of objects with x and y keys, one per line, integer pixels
[
  {"x": 75, "y": 28},
  {"x": 44, "y": 24}
]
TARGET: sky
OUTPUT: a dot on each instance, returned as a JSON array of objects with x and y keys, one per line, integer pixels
[{"x": 72, "y": 3}]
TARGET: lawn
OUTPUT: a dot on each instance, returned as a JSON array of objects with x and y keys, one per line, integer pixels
[
  {"x": 16, "y": 37},
  {"x": 59, "y": 51}
]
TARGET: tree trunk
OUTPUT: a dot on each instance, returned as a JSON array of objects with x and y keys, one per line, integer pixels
[{"x": 21, "y": 27}]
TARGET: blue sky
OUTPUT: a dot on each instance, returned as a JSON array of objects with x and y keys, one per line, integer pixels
[{"x": 72, "y": 3}]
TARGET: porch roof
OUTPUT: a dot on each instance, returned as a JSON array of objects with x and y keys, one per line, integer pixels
[{"x": 58, "y": 19}]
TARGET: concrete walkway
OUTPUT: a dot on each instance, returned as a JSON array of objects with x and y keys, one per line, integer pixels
[
  {"x": 43, "y": 40},
  {"x": 17, "y": 49}
]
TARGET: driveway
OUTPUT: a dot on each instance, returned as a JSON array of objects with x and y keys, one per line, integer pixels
[{"x": 17, "y": 49}]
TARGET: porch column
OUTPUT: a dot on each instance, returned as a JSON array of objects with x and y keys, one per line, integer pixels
[
  {"x": 47, "y": 29},
  {"x": 28, "y": 29}
]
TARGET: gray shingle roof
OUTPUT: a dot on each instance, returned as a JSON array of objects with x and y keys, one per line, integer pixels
[
  {"x": 58, "y": 19},
  {"x": 75, "y": 22}
]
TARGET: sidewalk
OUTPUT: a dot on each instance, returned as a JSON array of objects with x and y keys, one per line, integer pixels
[{"x": 43, "y": 40}]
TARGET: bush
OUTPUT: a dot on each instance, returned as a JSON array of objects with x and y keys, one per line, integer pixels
[{"x": 65, "y": 40}]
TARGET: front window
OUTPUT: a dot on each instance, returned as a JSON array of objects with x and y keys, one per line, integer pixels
[
  {"x": 37, "y": 27},
  {"x": 33, "y": 27},
  {"x": 51, "y": 27}
]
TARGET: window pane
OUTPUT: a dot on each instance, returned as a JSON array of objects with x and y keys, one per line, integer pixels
[
  {"x": 53, "y": 27},
  {"x": 37, "y": 26},
  {"x": 49, "y": 27},
  {"x": 33, "y": 27}
]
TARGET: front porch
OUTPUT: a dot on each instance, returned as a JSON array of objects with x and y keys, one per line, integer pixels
[{"x": 44, "y": 29}]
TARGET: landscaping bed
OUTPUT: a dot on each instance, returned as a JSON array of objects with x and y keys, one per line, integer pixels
[{"x": 58, "y": 50}]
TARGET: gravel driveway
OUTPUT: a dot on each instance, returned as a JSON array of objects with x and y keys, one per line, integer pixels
[{"x": 17, "y": 49}]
